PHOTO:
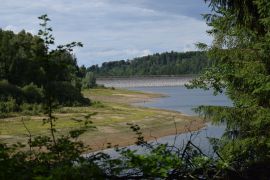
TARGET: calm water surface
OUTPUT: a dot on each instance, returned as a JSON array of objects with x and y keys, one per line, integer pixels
[
  {"x": 178, "y": 98},
  {"x": 182, "y": 99}
]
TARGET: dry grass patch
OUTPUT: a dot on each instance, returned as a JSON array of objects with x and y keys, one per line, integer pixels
[{"x": 112, "y": 115}]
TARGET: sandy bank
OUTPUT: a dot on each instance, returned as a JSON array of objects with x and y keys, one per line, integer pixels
[
  {"x": 158, "y": 123},
  {"x": 113, "y": 114}
]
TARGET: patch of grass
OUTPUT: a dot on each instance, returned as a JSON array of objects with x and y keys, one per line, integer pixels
[
  {"x": 97, "y": 104},
  {"x": 110, "y": 119},
  {"x": 115, "y": 92}
]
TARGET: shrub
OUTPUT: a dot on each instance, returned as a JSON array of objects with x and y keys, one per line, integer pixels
[
  {"x": 8, "y": 106},
  {"x": 97, "y": 104},
  {"x": 31, "y": 109},
  {"x": 32, "y": 93},
  {"x": 66, "y": 94},
  {"x": 8, "y": 90}
]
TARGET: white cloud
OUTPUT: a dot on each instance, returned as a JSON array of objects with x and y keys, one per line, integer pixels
[
  {"x": 127, "y": 52},
  {"x": 12, "y": 28},
  {"x": 110, "y": 29}
]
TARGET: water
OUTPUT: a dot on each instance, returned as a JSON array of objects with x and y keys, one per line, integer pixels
[
  {"x": 199, "y": 138},
  {"x": 178, "y": 98},
  {"x": 181, "y": 99}
]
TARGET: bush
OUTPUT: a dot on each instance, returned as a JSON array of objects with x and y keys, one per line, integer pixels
[
  {"x": 31, "y": 109},
  {"x": 67, "y": 95},
  {"x": 32, "y": 93},
  {"x": 97, "y": 104},
  {"x": 8, "y": 91},
  {"x": 8, "y": 106}
]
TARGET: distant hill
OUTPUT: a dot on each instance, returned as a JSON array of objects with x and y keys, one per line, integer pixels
[{"x": 168, "y": 63}]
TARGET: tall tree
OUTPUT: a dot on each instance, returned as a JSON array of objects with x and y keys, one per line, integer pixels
[{"x": 240, "y": 55}]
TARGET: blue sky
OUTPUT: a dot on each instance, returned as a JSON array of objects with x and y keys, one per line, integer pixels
[{"x": 113, "y": 29}]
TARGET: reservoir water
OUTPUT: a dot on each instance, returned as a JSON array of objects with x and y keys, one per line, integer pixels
[{"x": 178, "y": 98}]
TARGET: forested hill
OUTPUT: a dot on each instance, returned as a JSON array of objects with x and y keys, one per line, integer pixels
[{"x": 168, "y": 63}]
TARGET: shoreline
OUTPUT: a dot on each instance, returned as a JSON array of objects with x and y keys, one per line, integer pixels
[
  {"x": 179, "y": 123},
  {"x": 114, "y": 113},
  {"x": 149, "y": 135}
]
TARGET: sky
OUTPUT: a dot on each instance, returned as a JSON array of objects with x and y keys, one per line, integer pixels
[{"x": 113, "y": 29}]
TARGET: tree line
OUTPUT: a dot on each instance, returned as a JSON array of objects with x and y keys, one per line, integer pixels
[
  {"x": 239, "y": 65},
  {"x": 168, "y": 63}
]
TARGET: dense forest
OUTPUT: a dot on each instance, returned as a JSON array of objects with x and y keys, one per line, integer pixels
[{"x": 169, "y": 63}]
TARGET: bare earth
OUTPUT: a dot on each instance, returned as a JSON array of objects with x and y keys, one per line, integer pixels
[
  {"x": 159, "y": 124},
  {"x": 114, "y": 114}
]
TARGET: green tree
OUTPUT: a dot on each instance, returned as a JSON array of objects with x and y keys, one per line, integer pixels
[
  {"x": 240, "y": 55},
  {"x": 168, "y": 63}
]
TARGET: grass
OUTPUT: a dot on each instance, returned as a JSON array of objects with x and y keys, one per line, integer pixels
[
  {"x": 112, "y": 91},
  {"x": 112, "y": 112}
]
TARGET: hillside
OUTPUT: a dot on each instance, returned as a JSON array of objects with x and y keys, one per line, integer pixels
[{"x": 168, "y": 63}]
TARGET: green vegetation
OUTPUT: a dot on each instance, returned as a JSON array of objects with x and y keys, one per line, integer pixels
[
  {"x": 169, "y": 63},
  {"x": 239, "y": 65},
  {"x": 241, "y": 51},
  {"x": 110, "y": 114},
  {"x": 30, "y": 73},
  {"x": 89, "y": 81}
]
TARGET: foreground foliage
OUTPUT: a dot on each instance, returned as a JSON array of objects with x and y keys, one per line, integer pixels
[{"x": 241, "y": 66}]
